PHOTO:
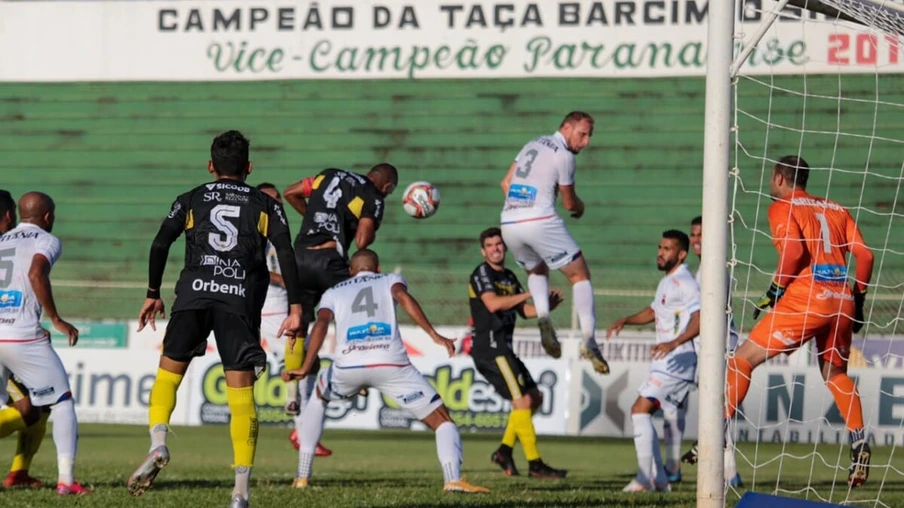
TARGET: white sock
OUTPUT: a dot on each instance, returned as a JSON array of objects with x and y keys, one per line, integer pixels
[
  {"x": 309, "y": 433},
  {"x": 304, "y": 389},
  {"x": 731, "y": 465},
  {"x": 673, "y": 432},
  {"x": 582, "y": 292},
  {"x": 242, "y": 478},
  {"x": 158, "y": 436},
  {"x": 538, "y": 285},
  {"x": 65, "y": 438},
  {"x": 292, "y": 391},
  {"x": 448, "y": 449},
  {"x": 644, "y": 444}
]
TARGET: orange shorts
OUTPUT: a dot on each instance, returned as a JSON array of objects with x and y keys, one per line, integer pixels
[{"x": 822, "y": 312}]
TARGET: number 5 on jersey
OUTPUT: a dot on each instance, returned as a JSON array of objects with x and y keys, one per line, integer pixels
[{"x": 228, "y": 237}]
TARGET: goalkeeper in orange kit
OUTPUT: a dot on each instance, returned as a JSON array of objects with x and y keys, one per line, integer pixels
[{"x": 812, "y": 299}]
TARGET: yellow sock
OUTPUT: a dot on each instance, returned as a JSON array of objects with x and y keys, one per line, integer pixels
[
  {"x": 295, "y": 355},
  {"x": 163, "y": 397},
  {"x": 10, "y": 421},
  {"x": 524, "y": 428},
  {"x": 509, "y": 436},
  {"x": 243, "y": 425},
  {"x": 29, "y": 443}
]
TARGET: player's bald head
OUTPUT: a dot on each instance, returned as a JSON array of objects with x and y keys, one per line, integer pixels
[
  {"x": 385, "y": 177},
  {"x": 365, "y": 260},
  {"x": 37, "y": 208}
]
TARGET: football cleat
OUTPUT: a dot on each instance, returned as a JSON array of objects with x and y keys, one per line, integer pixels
[
  {"x": 690, "y": 456},
  {"x": 300, "y": 483},
  {"x": 635, "y": 486},
  {"x": 859, "y": 470},
  {"x": 144, "y": 476},
  {"x": 75, "y": 489},
  {"x": 292, "y": 408},
  {"x": 238, "y": 502},
  {"x": 463, "y": 486},
  {"x": 674, "y": 477},
  {"x": 548, "y": 338},
  {"x": 507, "y": 463},
  {"x": 538, "y": 469},
  {"x": 21, "y": 479},
  {"x": 320, "y": 451},
  {"x": 592, "y": 353}
]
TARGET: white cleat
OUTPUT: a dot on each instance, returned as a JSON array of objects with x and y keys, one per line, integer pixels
[{"x": 144, "y": 476}]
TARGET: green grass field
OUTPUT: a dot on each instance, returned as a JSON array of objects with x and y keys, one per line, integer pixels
[{"x": 400, "y": 469}]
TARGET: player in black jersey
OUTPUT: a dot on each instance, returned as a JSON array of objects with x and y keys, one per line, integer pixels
[
  {"x": 339, "y": 207},
  {"x": 496, "y": 299},
  {"x": 222, "y": 287}
]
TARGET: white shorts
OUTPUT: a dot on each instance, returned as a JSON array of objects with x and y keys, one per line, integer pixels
[
  {"x": 405, "y": 385},
  {"x": 276, "y": 346},
  {"x": 39, "y": 368},
  {"x": 540, "y": 241},
  {"x": 669, "y": 391}
]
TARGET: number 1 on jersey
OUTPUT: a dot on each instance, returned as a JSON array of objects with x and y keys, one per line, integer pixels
[
  {"x": 824, "y": 233},
  {"x": 364, "y": 302}
]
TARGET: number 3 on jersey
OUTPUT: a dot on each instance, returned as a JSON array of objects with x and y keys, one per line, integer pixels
[
  {"x": 523, "y": 171},
  {"x": 228, "y": 237}
]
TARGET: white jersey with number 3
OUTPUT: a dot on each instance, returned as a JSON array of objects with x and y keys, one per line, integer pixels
[
  {"x": 20, "y": 310},
  {"x": 677, "y": 298},
  {"x": 367, "y": 334},
  {"x": 542, "y": 165}
]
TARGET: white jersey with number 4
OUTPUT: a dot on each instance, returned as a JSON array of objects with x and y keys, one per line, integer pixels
[
  {"x": 20, "y": 311},
  {"x": 677, "y": 298},
  {"x": 367, "y": 334},
  {"x": 542, "y": 165}
]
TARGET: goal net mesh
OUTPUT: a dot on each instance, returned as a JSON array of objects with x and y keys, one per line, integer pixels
[{"x": 829, "y": 90}]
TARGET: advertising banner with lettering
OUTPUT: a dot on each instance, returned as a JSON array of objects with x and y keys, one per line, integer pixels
[
  {"x": 784, "y": 404},
  {"x": 373, "y": 39}
]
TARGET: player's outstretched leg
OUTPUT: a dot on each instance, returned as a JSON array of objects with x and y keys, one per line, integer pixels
[
  {"x": 538, "y": 285},
  {"x": 847, "y": 399},
  {"x": 672, "y": 433},
  {"x": 27, "y": 446},
  {"x": 306, "y": 389},
  {"x": 310, "y": 429},
  {"x": 161, "y": 405},
  {"x": 582, "y": 291},
  {"x": 448, "y": 450}
]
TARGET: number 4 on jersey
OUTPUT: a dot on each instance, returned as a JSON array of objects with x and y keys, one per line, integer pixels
[{"x": 364, "y": 302}]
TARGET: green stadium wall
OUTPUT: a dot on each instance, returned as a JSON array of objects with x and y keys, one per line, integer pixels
[{"x": 115, "y": 155}]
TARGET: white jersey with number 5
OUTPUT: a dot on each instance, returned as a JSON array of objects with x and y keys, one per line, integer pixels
[
  {"x": 367, "y": 334},
  {"x": 20, "y": 311},
  {"x": 542, "y": 165},
  {"x": 677, "y": 298}
]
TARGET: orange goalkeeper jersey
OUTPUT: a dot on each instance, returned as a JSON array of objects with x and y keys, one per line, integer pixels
[{"x": 813, "y": 237}]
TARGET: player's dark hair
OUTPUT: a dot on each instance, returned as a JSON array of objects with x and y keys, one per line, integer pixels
[
  {"x": 576, "y": 116},
  {"x": 7, "y": 203},
  {"x": 229, "y": 153},
  {"x": 795, "y": 169},
  {"x": 683, "y": 241},
  {"x": 697, "y": 221},
  {"x": 387, "y": 172},
  {"x": 489, "y": 233},
  {"x": 265, "y": 185}
]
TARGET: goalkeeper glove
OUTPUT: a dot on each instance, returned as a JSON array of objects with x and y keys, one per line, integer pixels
[
  {"x": 859, "y": 300},
  {"x": 768, "y": 300}
]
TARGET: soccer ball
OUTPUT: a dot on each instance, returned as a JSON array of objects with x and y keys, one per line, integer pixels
[{"x": 420, "y": 200}]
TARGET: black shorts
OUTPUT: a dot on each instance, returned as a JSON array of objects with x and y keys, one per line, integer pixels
[
  {"x": 505, "y": 372},
  {"x": 238, "y": 338},
  {"x": 318, "y": 270}
]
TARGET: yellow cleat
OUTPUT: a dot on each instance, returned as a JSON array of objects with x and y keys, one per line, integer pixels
[
  {"x": 464, "y": 486},
  {"x": 300, "y": 483}
]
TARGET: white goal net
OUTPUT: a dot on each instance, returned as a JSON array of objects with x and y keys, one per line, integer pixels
[{"x": 824, "y": 83}]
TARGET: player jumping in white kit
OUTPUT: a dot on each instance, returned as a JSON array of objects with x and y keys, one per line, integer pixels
[
  {"x": 538, "y": 237},
  {"x": 27, "y": 253},
  {"x": 370, "y": 352}
]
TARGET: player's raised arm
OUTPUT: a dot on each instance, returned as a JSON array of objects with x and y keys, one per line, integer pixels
[
  {"x": 864, "y": 257},
  {"x": 643, "y": 317},
  {"x": 414, "y": 310},
  {"x": 297, "y": 193}
]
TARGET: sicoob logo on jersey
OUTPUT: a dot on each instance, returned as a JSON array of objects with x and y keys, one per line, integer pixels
[{"x": 472, "y": 402}]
